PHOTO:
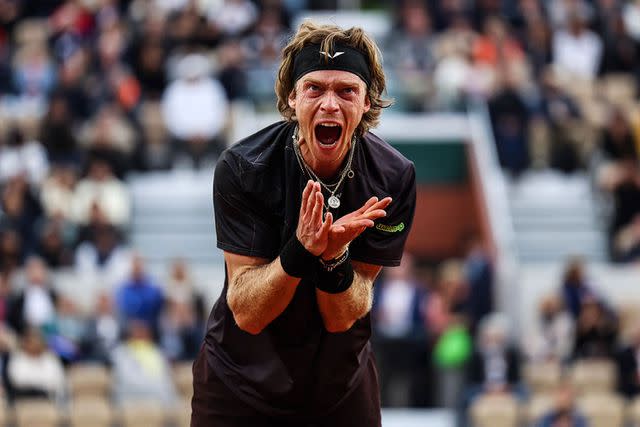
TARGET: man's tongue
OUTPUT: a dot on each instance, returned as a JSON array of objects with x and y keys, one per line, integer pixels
[{"x": 328, "y": 135}]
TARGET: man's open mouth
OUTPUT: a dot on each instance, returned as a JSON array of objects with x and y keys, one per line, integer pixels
[{"x": 328, "y": 133}]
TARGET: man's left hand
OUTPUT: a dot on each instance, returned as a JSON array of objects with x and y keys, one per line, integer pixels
[{"x": 350, "y": 226}]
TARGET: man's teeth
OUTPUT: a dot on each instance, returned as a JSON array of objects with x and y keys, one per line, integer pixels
[{"x": 330, "y": 125}]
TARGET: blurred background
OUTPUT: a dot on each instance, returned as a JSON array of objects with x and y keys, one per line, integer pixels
[{"x": 518, "y": 300}]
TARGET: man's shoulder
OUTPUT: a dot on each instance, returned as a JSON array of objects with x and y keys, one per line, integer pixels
[
  {"x": 257, "y": 150},
  {"x": 385, "y": 160}
]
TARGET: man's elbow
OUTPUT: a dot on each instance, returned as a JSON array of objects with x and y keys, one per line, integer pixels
[
  {"x": 247, "y": 324},
  {"x": 336, "y": 326},
  {"x": 243, "y": 318}
]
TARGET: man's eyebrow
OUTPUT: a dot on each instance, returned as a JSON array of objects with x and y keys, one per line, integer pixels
[{"x": 340, "y": 84}]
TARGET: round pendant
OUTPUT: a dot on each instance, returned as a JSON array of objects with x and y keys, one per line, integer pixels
[{"x": 334, "y": 202}]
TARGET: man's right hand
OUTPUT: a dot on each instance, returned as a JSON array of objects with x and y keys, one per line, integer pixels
[{"x": 313, "y": 231}]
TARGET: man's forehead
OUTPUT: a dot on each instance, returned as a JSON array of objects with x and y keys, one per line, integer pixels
[{"x": 332, "y": 77}]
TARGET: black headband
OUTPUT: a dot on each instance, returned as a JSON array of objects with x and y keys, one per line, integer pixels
[{"x": 343, "y": 58}]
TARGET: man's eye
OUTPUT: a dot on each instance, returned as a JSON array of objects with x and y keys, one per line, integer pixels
[
  {"x": 348, "y": 90},
  {"x": 314, "y": 88}
]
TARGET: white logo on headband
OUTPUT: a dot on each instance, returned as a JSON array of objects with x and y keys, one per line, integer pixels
[{"x": 334, "y": 56}]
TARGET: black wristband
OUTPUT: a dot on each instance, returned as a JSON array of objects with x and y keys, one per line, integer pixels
[
  {"x": 335, "y": 281},
  {"x": 296, "y": 260}
]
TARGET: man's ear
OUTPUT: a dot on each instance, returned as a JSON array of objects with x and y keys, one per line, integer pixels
[
  {"x": 367, "y": 103},
  {"x": 292, "y": 99}
]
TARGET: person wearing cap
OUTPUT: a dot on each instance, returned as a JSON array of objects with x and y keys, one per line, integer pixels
[{"x": 307, "y": 211}]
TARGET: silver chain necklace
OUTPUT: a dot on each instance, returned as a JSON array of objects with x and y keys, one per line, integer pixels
[{"x": 332, "y": 189}]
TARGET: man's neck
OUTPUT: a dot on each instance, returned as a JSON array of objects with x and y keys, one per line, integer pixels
[{"x": 324, "y": 170}]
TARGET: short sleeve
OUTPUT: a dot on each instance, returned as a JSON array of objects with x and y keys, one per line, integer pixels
[
  {"x": 383, "y": 244},
  {"x": 242, "y": 223}
]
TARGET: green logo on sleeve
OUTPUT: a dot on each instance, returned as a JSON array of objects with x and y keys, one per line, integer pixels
[{"x": 390, "y": 228}]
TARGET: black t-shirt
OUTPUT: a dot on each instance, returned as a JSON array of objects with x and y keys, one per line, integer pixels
[{"x": 294, "y": 366}]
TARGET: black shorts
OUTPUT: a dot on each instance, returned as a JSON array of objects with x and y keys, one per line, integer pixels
[{"x": 214, "y": 405}]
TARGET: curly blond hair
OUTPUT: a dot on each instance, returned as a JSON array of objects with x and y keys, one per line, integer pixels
[{"x": 327, "y": 36}]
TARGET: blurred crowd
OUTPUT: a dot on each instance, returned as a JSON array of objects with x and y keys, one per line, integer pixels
[
  {"x": 137, "y": 330},
  {"x": 93, "y": 90},
  {"x": 440, "y": 343}
]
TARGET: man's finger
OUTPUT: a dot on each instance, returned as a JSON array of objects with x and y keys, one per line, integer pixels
[
  {"x": 311, "y": 200},
  {"x": 376, "y": 214},
  {"x": 364, "y": 222},
  {"x": 326, "y": 226},
  {"x": 316, "y": 215},
  {"x": 372, "y": 201},
  {"x": 382, "y": 204},
  {"x": 305, "y": 197}
]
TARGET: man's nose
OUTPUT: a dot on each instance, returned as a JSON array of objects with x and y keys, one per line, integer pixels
[{"x": 329, "y": 102}]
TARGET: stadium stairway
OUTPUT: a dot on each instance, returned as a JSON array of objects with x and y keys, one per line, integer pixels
[
  {"x": 556, "y": 216},
  {"x": 173, "y": 217}
]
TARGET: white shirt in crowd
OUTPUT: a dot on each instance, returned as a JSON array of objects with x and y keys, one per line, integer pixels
[
  {"x": 195, "y": 108},
  {"x": 395, "y": 307},
  {"x": 577, "y": 54},
  {"x": 29, "y": 159},
  {"x": 41, "y": 372},
  {"x": 38, "y": 306},
  {"x": 112, "y": 197}
]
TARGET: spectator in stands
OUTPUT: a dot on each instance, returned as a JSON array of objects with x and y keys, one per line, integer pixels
[
  {"x": 194, "y": 107},
  {"x": 558, "y": 113},
  {"x": 103, "y": 330},
  {"x": 620, "y": 175},
  {"x": 495, "y": 46},
  {"x": 148, "y": 55},
  {"x": 53, "y": 247},
  {"x": 35, "y": 304},
  {"x": 495, "y": 364},
  {"x": 618, "y": 143},
  {"x": 21, "y": 211},
  {"x": 410, "y": 53},
  {"x": 109, "y": 137},
  {"x": 139, "y": 298},
  {"x": 56, "y": 195},
  {"x": 537, "y": 44},
  {"x": 577, "y": 50},
  {"x": 182, "y": 322},
  {"x": 34, "y": 72},
  {"x": 153, "y": 151},
  {"x": 181, "y": 289},
  {"x": 478, "y": 270},
  {"x": 620, "y": 54},
  {"x": 19, "y": 156},
  {"x": 575, "y": 287},
  {"x": 101, "y": 188},
  {"x": 596, "y": 332},
  {"x": 509, "y": 119},
  {"x": 399, "y": 331},
  {"x": 11, "y": 254},
  {"x": 447, "y": 302},
  {"x": 33, "y": 371},
  {"x": 494, "y": 367},
  {"x": 564, "y": 412},
  {"x": 631, "y": 17},
  {"x": 232, "y": 72},
  {"x": 67, "y": 332},
  {"x": 626, "y": 246},
  {"x": 233, "y": 17},
  {"x": 100, "y": 256},
  {"x": 56, "y": 133},
  {"x": 554, "y": 333},
  {"x": 628, "y": 365},
  {"x": 140, "y": 370}
]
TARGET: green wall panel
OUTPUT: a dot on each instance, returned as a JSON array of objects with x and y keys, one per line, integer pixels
[{"x": 437, "y": 162}]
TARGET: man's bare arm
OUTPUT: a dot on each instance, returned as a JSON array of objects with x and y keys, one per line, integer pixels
[
  {"x": 258, "y": 290},
  {"x": 340, "y": 311}
]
